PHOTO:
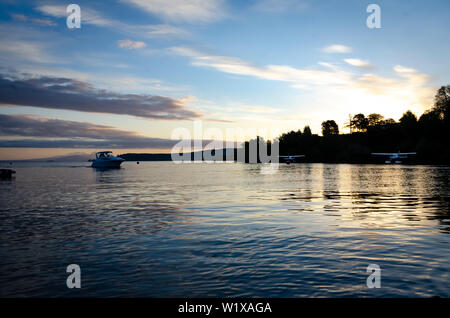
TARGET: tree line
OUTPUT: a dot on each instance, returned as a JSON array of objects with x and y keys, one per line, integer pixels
[{"x": 427, "y": 135}]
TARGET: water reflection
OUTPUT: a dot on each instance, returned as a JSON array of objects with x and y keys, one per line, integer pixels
[
  {"x": 381, "y": 195},
  {"x": 161, "y": 229}
]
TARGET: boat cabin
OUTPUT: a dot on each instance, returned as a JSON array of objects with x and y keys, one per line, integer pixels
[{"x": 103, "y": 154}]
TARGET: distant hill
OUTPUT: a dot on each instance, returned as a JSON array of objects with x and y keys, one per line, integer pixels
[
  {"x": 74, "y": 157},
  {"x": 168, "y": 156},
  {"x": 146, "y": 156}
]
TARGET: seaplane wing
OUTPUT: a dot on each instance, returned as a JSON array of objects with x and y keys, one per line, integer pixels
[{"x": 393, "y": 153}]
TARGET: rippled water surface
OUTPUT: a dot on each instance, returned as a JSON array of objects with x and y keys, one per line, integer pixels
[{"x": 159, "y": 229}]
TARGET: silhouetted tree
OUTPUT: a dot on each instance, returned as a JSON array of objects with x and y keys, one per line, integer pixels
[
  {"x": 349, "y": 124},
  {"x": 329, "y": 128},
  {"x": 360, "y": 122},
  {"x": 375, "y": 119},
  {"x": 409, "y": 121},
  {"x": 389, "y": 121},
  {"x": 307, "y": 131},
  {"x": 408, "y": 118},
  {"x": 442, "y": 104},
  {"x": 430, "y": 124},
  {"x": 290, "y": 142}
]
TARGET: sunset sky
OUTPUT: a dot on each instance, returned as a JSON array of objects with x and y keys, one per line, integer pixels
[{"x": 138, "y": 69}]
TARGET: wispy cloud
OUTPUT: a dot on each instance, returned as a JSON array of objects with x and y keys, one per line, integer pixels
[
  {"x": 337, "y": 48},
  {"x": 271, "y": 72},
  {"x": 128, "y": 44},
  {"x": 183, "y": 10},
  {"x": 162, "y": 30},
  {"x": 24, "y": 18},
  {"x": 78, "y": 95},
  {"x": 276, "y": 6},
  {"x": 404, "y": 70},
  {"x": 257, "y": 109},
  {"x": 24, "y": 44},
  {"x": 358, "y": 63},
  {"x": 29, "y": 51},
  {"x": 89, "y": 16},
  {"x": 40, "y": 132},
  {"x": 93, "y": 17},
  {"x": 35, "y": 126},
  {"x": 334, "y": 85}
]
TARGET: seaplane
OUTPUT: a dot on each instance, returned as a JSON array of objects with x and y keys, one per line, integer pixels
[
  {"x": 105, "y": 159},
  {"x": 291, "y": 159},
  {"x": 394, "y": 157}
]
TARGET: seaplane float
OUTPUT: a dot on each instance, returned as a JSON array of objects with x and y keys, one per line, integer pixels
[
  {"x": 106, "y": 160},
  {"x": 394, "y": 157}
]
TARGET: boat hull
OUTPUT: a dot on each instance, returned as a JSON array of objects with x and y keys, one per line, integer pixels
[{"x": 112, "y": 163}]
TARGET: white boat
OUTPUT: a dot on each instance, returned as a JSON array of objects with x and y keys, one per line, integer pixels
[{"x": 105, "y": 159}]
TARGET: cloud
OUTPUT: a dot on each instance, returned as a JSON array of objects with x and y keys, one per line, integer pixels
[
  {"x": 131, "y": 44},
  {"x": 27, "y": 51},
  {"x": 22, "y": 43},
  {"x": 257, "y": 109},
  {"x": 404, "y": 70},
  {"x": 337, "y": 48},
  {"x": 411, "y": 86},
  {"x": 305, "y": 78},
  {"x": 42, "y": 132},
  {"x": 33, "y": 126},
  {"x": 276, "y": 6},
  {"x": 93, "y": 17},
  {"x": 24, "y": 18},
  {"x": 57, "y": 11},
  {"x": 88, "y": 16},
  {"x": 162, "y": 30},
  {"x": 183, "y": 10},
  {"x": 78, "y": 95},
  {"x": 298, "y": 77},
  {"x": 147, "y": 143},
  {"x": 334, "y": 90},
  {"x": 358, "y": 63}
]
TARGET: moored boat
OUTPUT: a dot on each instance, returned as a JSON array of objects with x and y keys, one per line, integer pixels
[
  {"x": 6, "y": 173},
  {"x": 105, "y": 159}
]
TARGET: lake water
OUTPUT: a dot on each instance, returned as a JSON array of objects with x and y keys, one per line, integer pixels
[{"x": 160, "y": 229}]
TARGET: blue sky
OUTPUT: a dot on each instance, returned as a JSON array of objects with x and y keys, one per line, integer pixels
[{"x": 279, "y": 64}]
